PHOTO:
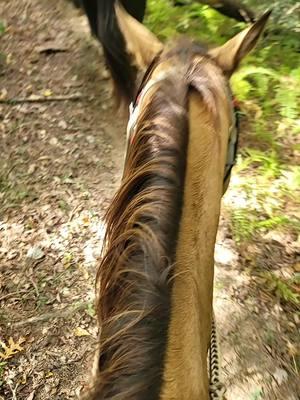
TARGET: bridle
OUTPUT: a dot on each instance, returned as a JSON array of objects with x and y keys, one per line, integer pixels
[{"x": 233, "y": 138}]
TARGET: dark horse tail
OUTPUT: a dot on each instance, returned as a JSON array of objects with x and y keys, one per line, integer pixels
[{"x": 104, "y": 26}]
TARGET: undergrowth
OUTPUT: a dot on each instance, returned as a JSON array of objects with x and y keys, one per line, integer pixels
[
  {"x": 2, "y": 28},
  {"x": 284, "y": 289},
  {"x": 2, "y": 55},
  {"x": 2, "y": 365}
]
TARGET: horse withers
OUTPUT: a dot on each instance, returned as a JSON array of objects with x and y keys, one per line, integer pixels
[{"x": 155, "y": 280}]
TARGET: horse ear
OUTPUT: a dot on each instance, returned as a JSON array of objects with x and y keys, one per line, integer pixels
[
  {"x": 141, "y": 44},
  {"x": 234, "y": 50}
]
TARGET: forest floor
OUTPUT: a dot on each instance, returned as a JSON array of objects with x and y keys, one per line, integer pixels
[{"x": 60, "y": 165}]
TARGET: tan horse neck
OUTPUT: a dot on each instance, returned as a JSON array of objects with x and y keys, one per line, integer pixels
[{"x": 185, "y": 373}]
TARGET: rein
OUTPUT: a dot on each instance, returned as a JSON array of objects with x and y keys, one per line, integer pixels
[{"x": 216, "y": 387}]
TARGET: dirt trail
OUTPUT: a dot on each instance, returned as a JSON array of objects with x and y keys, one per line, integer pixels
[{"x": 60, "y": 164}]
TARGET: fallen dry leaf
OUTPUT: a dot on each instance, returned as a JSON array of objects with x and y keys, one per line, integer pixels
[
  {"x": 62, "y": 124},
  {"x": 12, "y": 348},
  {"x": 293, "y": 350},
  {"x": 280, "y": 375},
  {"x": 23, "y": 381},
  {"x": 84, "y": 271},
  {"x": 297, "y": 267},
  {"x": 50, "y": 48},
  {"x": 3, "y": 94},
  {"x": 81, "y": 332},
  {"x": 9, "y": 59},
  {"x": 33, "y": 97},
  {"x": 47, "y": 93},
  {"x": 35, "y": 252},
  {"x": 31, "y": 396},
  {"x": 86, "y": 220},
  {"x": 31, "y": 169}
]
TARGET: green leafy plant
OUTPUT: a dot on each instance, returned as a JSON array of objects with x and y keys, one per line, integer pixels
[
  {"x": 90, "y": 310},
  {"x": 267, "y": 85},
  {"x": 2, "y": 28},
  {"x": 283, "y": 289},
  {"x": 2, "y": 366},
  {"x": 257, "y": 394},
  {"x": 243, "y": 225}
]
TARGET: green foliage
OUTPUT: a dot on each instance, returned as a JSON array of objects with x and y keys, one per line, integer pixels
[
  {"x": 2, "y": 28},
  {"x": 266, "y": 163},
  {"x": 243, "y": 224},
  {"x": 252, "y": 81},
  {"x": 2, "y": 366},
  {"x": 268, "y": 87},
  {"x": 194, "y": 19},
  {"x": 12, "y": 189},
  {"x": 290, "y": 183},
  {"x": 283, "y": 289},
  {"x": 252, "y": 78},
  {"x": 248, "y": 223},
  {"x": 63, "y": 205},
  {"x": 287, "y": 96},
  {"x": 285, "y": 13},
  {"x": 257, "y": 394},
  {"x": 90, "y": 310}
]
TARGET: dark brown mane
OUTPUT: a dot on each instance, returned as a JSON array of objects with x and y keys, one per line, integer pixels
[{"x": 134, "y": 277}]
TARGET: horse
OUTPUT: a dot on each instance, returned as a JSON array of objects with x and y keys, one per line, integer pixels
[
  {"x": 104, "y": 27},
  {"x": 154, "y": 284}
]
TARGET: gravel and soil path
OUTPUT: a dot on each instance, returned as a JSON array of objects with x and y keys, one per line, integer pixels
[{"x": 61, "y": 155}]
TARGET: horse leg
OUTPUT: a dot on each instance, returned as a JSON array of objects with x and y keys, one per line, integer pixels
[{"x": 135, "y": 8}]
